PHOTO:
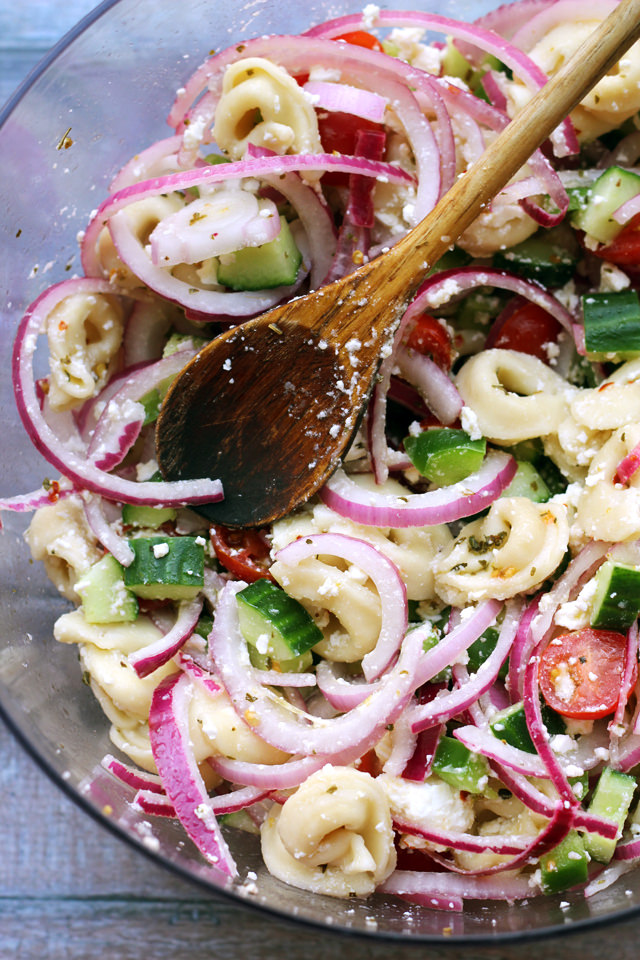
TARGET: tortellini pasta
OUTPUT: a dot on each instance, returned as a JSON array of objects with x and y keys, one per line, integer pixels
[
  {"x": 59, "y": 536},
  {"x": 612, "y": 100},
  {"x": 510, "y": 551},
  {"x": 263, "y": 105},
  {"x": 515, "y": 396},
  {"x": 608, "y": 510},
  {"x": 343, "y": 602},
  {"x": 334, "y": 835},
  {"x": 84, "y": 333},
  {"x": 143, "y": 217}
]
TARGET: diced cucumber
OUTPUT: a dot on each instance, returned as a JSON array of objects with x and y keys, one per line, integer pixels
[
  {"x": 565, "y": 866},
  {"x": 444, "y": 455},
  {"x": 179, "y": 341},
  {"x": 166, "y": 568},
  {"x": 610, "y": 190},
  {"x": 105, "y": 598},
  {"x": 203, "y": 626},
  {"x": 528, "y": 483},
  {"x": 616, "y": 602},
  {"x": 460, "y": 767},
  {"x": 510, "y": 725},
  {"x": 140, "y": 515},
  {"x": 549, "y": 256},
  {"x": 612, "y": 325},
  {"x": 277, "y": 625},
  {"x": 272, "y": 264},
  {"x": 292, "y": 665},
  {"x": 611, "y": 799}
]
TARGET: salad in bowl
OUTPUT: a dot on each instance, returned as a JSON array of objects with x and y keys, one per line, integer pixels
[{"x": 422, "y": 683}]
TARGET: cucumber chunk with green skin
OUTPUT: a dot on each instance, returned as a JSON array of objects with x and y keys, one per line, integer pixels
[
  {"x": 613, "y": 188},
  {"x": 612, "y": 325},
  {"x": 616, "y": 602},
  {"x": 445, "y": 455},
  {"x": 510, "y": 726},
  {"x": 166, "y": 568},
  {"x": 460, "y": 767},
  {"x": 140, "y": 515},
  {"x": 565, "y": 866},
  {"x": 105, "y": 598},
  {"x": 293, "y": 665},
  {"x": 528, "y": 483},
  {"x": 611, "y": 799},
  {"x": 549, "y": 256},
  {"x": 272, "y": 264},
  {"x": 277, "y": 625}
]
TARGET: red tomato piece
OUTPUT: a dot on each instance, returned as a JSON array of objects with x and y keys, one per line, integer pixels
[
  {"x": 242, "y": 552},
  {"x": 338, "y": 134},
  {"x": 624, "y": 250},
  {"x": 430, "y": 338},
  {"x": 526, "y": 327},
  {"x": 581, "y": 673},
  {"x": 360, "y": 38}
]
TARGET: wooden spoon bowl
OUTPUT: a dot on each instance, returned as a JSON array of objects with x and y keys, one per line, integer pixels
[{"x": 270, "y": 407}]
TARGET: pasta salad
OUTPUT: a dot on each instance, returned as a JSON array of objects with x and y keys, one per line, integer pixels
[{"x": 423, "y": 682}]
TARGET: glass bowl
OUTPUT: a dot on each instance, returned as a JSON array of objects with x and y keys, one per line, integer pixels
[{"x": 107, "y": 88}]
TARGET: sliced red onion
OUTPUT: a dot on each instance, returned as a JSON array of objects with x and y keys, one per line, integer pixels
[
  {"x": 627, "y": 851},
  {"x": 403, "y": 746},
  {"x": 470, "y": 842},
  {"x": 433, "y": 384},
  {"x": 199, "y": 675},
  {"x": 452, "y": 702},
  {"x": 629, "y": 677},
  {"x": 343, "y": 98},
  {"x": 442, "y": 287},
  {"x": 385, "y": 577},
  {"x": 448, "y": 891},
  {"x": 149, "y": 658},
  {"x": 490, "y": 746},
  {"x": 138, "y": 779},
  {"x": 156, "y": 161},
  {"x": 154, "y": 804},
  {"x": 76, "y": 467},
  {"x": 178, "y": 770},
  {"x": 277, "y": 776},
  {"x": 538, "y": 731},
  {"x": 419, "y": 764},
  {"x": 560, "y": 13},
  {"x": 270, "y": 717},
  {"x": 462, "y": 499},
  {"x": 549, "y": 837},
  {"x": 104, "y": 532},
  {"x": 522, "y": 649},
  {"x": 28, "y": 502}
]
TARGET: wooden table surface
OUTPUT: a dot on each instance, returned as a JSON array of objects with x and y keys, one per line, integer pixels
[{"x": 69, "y": 889}]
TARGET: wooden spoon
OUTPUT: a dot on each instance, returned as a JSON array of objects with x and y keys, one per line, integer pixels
[{"x": 270, "y": 406}]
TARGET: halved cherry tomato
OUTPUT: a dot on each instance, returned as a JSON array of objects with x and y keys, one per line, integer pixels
[
  {"x": 338, "y": 134},
  {"x": 360, "y": 38},
  {"x": 526, "y": 327},
  {"x": 581, "y": 672},
  {"x": 430, "y": 338},
  {"x": 624, "y": 250},
  {"x": 242, "y": 552}
]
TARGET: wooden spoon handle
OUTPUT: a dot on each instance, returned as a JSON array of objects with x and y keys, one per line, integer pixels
[{"x": 415, "y": 253}]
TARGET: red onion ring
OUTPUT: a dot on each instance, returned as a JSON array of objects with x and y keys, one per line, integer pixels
[
  {"x": 178, "y": 770},
  {"x": 154, "y": 655}
]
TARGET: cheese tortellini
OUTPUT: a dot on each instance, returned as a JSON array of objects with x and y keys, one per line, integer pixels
[
  {"x": 59, "y": 537},
  {"x": 615, "y": 98},
  {"x": 263, "y": 105},
  {"x": 608, "y": 510},
  {"x": 342, "y": 600},
  {"x": 515, "y": 396},
  {"x": 334, "y": 835},
  {"x": 510, "y": 551},
  {"x": 84, "y": 333}
]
